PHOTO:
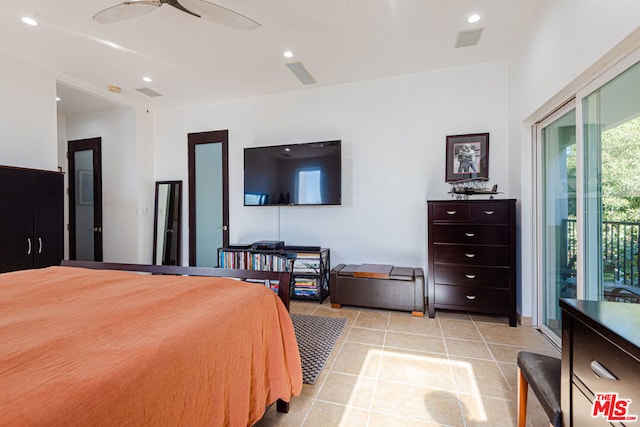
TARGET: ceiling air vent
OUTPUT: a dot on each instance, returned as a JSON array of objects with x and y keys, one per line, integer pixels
[
  {"x": 301, "y": 73},
  {"x": 468, "y": 37},
  {"x": 149, "y": 92}
]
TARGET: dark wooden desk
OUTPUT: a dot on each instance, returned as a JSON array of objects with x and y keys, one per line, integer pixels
[{"x": 599, "y": 339}]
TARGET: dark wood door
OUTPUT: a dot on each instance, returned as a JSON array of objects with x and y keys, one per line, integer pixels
[
  {"x": 85, "y": 199},
  {"x": 208, "y": 163},
  {"x": 16, "y": 219},
  {"x": 48, "y": 224}
]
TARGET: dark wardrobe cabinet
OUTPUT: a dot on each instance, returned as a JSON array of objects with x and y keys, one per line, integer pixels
[{"x": 31, "y": 218}]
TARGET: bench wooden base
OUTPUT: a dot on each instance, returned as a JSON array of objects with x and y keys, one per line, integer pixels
[{"x": 413, "y": 313}]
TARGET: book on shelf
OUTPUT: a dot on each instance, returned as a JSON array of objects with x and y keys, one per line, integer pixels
[
  {"x": 306, "y": 266},
  {"x": 246, "y": 260},
  {"x": 305, "y": 282},
  {"x": 306, "y": 292},
  {"x": 274, "y": 285},
  {"x": 307, "y": 255}
]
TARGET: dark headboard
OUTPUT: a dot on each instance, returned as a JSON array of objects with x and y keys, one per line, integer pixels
[{"x": 284, "y": 278}]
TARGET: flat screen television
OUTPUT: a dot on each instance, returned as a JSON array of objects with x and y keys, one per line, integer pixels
[{"x": 293, "y": 175}]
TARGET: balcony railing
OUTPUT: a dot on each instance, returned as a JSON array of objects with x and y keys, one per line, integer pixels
[{"x": 620, "y": 255}]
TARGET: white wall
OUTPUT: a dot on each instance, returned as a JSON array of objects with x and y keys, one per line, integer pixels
[
  {"x": 27, "y": 116},
  {"x": 120, "y": 177},
  {"x": 146, "y": 185},
  {"x": 564, "y": 41},
  {"x": 64, "y": 166},
  {"x": 393, "y": 138}
]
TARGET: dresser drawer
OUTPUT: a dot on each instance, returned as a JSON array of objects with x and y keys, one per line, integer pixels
[
  {"x": 472, "y": 298},
  {"x": 488, "y": 277},
  {"x": 589, "y": 347},
  {"x": 488, "y": 234},
  {"x": 581, "y": 409},
  {"x": 450, "y": 212},
  {"x": 494, "y": 212},
  {"x": 471, "y": 254}
]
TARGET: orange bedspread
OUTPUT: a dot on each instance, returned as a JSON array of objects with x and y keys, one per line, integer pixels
[{"x": 85, "y": 347}]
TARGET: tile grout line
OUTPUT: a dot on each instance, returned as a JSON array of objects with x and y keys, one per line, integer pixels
[{"x": 453, "y": 377}]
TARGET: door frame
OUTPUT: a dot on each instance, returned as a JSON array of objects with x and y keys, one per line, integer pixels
[
  {"x": 94, "y": 144},
  {"x": 539, "y": 242},
  {"x": 220, "y": 137}
]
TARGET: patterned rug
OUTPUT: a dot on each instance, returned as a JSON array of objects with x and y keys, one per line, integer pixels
[{"x": 316, "y": 337}]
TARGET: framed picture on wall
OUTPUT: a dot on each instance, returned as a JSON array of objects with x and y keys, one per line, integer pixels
[{"x": 467, "y": 157}]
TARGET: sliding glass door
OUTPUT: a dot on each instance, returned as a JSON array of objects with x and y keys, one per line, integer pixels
[
  {"x": 588, "y": 196},
  {"x": 611, "y": 116},
  {"x": 558, "y": 214}
]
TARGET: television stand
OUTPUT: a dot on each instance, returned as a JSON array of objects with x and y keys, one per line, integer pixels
[{"x": 309, "y": 266}]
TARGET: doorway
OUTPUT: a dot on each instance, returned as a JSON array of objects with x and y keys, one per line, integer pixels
[
  {"x": 208, "y": 196},
  {"x": 85, "y": 199}
]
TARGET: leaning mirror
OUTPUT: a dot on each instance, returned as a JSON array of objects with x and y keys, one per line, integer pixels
[{"x": 167, "y": 223}]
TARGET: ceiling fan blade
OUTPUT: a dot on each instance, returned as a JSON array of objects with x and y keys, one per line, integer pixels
[
  {"x": 220, "y": 14},
  {"x": 127, "y": 10}
]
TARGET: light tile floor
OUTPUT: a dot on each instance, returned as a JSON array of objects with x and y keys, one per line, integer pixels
[{"x": 390, "y": 369}]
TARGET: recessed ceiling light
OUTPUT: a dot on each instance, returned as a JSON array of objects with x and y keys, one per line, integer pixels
[
  {"x": 29, "y": 21},
  {"x": 473, "y": 18},
  {"x": 288, "y": 54},
  {"x": 114, "y": 89},
  {"x": 58, "y": 98},
  {"x": 147, "y": 79}
]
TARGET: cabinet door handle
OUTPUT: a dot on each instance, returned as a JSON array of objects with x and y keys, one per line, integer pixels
[
  {"x": 471, "y": 297},
  {"x": 469, "y": 234},
  {"x": 29, "y": 247},
  {"x": 470, "y": 255},
  {"x": 451, "y": 212},
  {"x": 601, "y": 371},
  {"x": 470, "y": 276},
  {"x": 489, "y": 212},
  {"x": 39, "y": 245}
]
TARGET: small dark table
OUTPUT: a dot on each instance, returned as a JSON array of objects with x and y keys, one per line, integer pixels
[{"x": 600, "y": 355}]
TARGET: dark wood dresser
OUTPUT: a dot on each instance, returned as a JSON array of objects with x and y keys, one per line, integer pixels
[
  {"x": 600, "y": 354},
  {"x": 472, "y": 256}
]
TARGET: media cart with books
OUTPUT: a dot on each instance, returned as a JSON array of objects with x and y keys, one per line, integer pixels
[{"x": 309, "y": 266}]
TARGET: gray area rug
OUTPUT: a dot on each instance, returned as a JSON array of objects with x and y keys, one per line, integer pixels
[{"x": 316, "y": 337}]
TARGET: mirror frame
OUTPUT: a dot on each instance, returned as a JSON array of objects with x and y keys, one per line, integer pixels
[{"x": 178, "y": 232}]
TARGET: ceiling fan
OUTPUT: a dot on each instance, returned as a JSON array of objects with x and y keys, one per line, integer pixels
[{"x": 130, "y": 9}]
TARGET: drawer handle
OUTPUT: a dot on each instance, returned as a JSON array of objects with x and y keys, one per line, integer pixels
[
  {"x": 470, "y": 255},
  {"x": 451, "y": 212},
  {"x": 471, "y": 297},
  {"x": 469, "y": 234},
  {"x": 601, "y": 371},
  {"x": 489, "y": 212},
  {"x": 470, "y": 276}
]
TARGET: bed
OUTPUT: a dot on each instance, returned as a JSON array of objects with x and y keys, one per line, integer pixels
[{"x": 87, "y": 346}]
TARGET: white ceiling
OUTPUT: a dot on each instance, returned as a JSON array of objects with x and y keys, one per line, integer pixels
[{"x": 192, "y": 60}]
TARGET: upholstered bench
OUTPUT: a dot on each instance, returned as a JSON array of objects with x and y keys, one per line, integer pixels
[{"x": 378, "y": 286}]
